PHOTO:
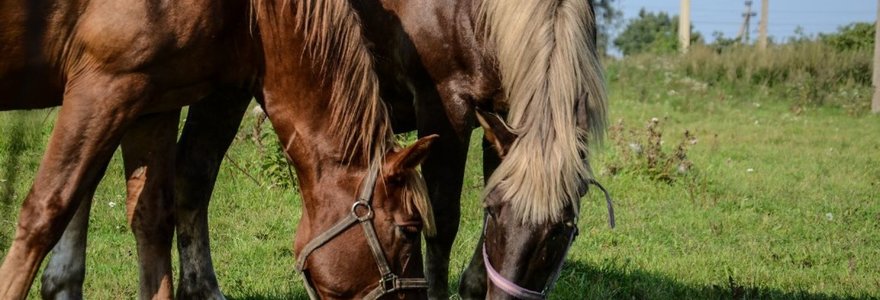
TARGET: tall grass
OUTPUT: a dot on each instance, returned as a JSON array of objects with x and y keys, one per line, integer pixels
[{"x": 803, "y": 74}]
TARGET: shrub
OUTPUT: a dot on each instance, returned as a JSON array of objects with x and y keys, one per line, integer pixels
[{"x": 853, "y": 37}]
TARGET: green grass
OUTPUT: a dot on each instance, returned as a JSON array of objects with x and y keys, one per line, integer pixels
[{"x": 802, "y": 224}]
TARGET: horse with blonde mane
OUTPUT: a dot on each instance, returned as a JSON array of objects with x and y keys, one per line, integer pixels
[
  {"x": 121, "y": 70},
  {"x": 526, "y": 71}
]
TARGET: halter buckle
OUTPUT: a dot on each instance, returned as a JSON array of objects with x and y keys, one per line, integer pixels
[
  {"x": 388, "y": 283},
  {"x": 369, "y": 210}
]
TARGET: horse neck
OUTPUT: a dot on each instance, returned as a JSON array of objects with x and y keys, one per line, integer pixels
[{"x": 301, "y": 89}]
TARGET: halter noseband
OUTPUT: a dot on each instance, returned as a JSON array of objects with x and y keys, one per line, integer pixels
[
  {"x": 361, "y": 212},
  {"x": 520, "y": 292}
]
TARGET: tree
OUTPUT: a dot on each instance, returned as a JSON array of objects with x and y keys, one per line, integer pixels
[
  {"x": 651, "y": 32},
  {"x": 855, "y": 36},
  {"x": 721, "y": 42},
  {"x": 608, "y": 19}
]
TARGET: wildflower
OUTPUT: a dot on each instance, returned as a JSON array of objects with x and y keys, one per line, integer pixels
[
  {"x": 750, "y": 170},
  {"x": 829, "y": 216},
  {"x": 636, "y": 148},
  {"x": 111, "y": 204}
]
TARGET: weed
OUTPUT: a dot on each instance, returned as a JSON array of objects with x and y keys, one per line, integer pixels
[{"x": 643, "y": 153}]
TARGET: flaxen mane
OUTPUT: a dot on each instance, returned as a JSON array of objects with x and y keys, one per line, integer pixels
[
  {"x": 547, "y": 59},
  {"x": 336, "y": 44}
]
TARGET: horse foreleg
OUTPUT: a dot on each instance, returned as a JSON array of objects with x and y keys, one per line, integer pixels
[
  {"x": 89, "y": 127},
  {"x": 443, "y": 171},
  {"x": 210, "y": 127},
  {"x": 64, "y": 274},
  {"x": 148, "y": 153},
  {"x": 473, "y": 283}
]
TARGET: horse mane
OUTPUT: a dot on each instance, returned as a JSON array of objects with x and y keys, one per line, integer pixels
[
  {"x": 335, "y": 43},
  {"x": 546, "y": 54},
  {"x": 337, "y": 46}
]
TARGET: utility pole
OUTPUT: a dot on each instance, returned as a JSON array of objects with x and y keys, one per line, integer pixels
[
  {"x": 762, "y": 31},
  {"x": 684, "y": 26},
  {"x": 875, "y": 104},
  {"x": 747, "y": 22}
]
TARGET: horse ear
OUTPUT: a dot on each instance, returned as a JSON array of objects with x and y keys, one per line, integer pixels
[
  {"x": 496, "y": 132},
  {"x": 410, "y": 157}
]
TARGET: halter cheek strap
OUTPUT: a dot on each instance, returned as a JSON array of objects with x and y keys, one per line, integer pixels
[
  {"x": 514, "y": 289},
  {"x": 361, "y": 212},
  {"x": 517, "y": 291}
]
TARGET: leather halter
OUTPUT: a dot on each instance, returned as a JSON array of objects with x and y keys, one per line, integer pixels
[
  {"x": 361, "y": 212},
  {"x": 519, "y": 292}
]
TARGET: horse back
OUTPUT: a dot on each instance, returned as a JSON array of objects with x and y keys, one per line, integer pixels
[{"x": 44, "y": 44}]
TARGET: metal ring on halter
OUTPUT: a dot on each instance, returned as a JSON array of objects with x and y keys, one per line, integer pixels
[
  {"x": 364, "y": 204},
  {"x": 389, "y": 282}
]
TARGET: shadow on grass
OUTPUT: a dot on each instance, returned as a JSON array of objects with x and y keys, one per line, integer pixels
[
  {"x": 582, "y": 281},
  {"x": 290, "y": 296}
]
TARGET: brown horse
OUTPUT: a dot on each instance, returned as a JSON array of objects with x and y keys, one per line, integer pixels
[
  {"x": 529, "y": 73},
  {"x": 121, "y": 70},
  {"x": 445, "y": 66}
]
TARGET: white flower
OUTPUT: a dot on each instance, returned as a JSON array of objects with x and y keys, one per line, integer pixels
[
  {"x": 750, "y": 170},
  {"x": 111, "y": 204},
  {"x": 635, "y": 147},
  {"x": 829, "y": 216}
]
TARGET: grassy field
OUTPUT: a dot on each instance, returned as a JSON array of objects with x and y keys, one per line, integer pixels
[{"x": 779, "y": 201}]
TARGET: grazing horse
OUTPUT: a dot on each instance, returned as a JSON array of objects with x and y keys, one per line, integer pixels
[
  {"x": 529, "y": 74},
  {"x": 121, "y": 70}
]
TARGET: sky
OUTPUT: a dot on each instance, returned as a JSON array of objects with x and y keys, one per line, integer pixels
[{"x": 814, "y": 16}]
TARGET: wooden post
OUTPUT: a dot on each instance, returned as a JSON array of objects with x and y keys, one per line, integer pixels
[
  {"x": 684, "y": 26},
  {"x": 875, "y": 104},
  {"x": 762, "y": 32}
]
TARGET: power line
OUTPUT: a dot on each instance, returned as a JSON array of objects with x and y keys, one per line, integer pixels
[
  {"x": 721, "y": 10},
  {"x": 772, "y": 23}
]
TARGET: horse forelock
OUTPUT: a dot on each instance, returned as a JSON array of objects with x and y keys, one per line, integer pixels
[
  {"x": 337, "y": 47},
  {"x": 546, "y": 56}
]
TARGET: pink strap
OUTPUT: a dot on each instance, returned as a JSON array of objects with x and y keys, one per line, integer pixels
[{"x": 506, "y": 285}]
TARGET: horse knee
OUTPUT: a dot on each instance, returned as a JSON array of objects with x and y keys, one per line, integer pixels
[{"x": 42, "y": 221}]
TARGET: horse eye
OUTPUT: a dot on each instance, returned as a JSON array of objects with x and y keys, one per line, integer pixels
[
  {"x": 491, "y": 212},
  {"x": 395, "y": 180}
]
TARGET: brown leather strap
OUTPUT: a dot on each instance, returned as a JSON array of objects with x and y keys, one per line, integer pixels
[
  {"x": 396, "y": 284},
  {"x": 322, "y": 239},
  {"x": 361, "y": 212}
]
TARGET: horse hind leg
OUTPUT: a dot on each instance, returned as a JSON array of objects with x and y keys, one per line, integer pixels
[
  {"x": 89, "y": 127},
  {"x": 209, "y": 131},
  {"x": 148, "y": 153},
  {"x": 63, "y": 276}
]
